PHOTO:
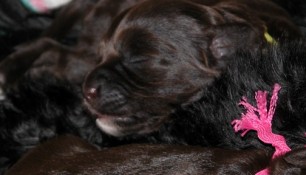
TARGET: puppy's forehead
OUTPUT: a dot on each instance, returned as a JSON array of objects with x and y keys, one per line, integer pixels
[
  {"x": 130, "y": 43},
  {"x": 164, "y": 17},
  {"x": 153, "y": 23},
  {"x": 160, "y": 8},
  {"x": 199, "y": 10}
]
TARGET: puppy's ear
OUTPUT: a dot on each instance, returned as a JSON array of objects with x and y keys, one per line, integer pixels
[{"x": 226, "y": 39}]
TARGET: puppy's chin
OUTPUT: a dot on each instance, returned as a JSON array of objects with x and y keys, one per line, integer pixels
[
  {"x": 123, "y": 126},
  {"x": 109, "y": 126}
]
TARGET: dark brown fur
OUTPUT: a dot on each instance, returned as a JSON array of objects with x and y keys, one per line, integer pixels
[
  {"x": 71, "y": 155},
  {"x": 293, "y": 163}
]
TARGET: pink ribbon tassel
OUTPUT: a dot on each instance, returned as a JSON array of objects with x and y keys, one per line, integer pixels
[{"x": 260, "y": 119}]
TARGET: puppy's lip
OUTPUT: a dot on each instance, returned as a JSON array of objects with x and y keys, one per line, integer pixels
[
  {"x": 108, "y": 123},
  {"x": 120, "y": 125},
  {"x": 114, "y": 125},
  {"x": 112, "y": 117}
]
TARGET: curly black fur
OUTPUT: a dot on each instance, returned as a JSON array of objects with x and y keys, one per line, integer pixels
[
  {"x": 39, "y": 109},
  {"x": 208, "y": 121}
]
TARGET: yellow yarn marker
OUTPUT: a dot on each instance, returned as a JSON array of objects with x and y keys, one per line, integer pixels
[{"x": 269, "y": 38}]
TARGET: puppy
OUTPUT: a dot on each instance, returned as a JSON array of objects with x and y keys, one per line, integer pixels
[
  {"x": 71, "y": 155},
  {"x": 171, "y": 91},
  {"x": 218, "y": 29},
  {"x": 145, "y": 74}
]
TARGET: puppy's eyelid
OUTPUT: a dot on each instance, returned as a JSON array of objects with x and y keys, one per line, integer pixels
[{"x": 138, "y": 59}]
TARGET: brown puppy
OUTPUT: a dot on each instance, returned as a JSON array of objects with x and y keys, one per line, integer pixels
[
  {"x": 160, "y": 54},
  {"x": 71, "y": 155}
]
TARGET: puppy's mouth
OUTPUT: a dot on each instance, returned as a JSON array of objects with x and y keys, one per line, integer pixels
[
  {"x": 123, "y": 125},
  {"x": 111, "y": 126}
]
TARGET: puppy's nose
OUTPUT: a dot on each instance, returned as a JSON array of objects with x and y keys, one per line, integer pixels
[
  {"x": 91, "y": 87},
  {"x": 90, "y": 93}
]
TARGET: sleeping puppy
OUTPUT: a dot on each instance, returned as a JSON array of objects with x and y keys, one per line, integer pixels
[
  {"x": 205, "y": 29},
  {"x": 152, "y": 61},
  {"x": 168, "y": 90}
]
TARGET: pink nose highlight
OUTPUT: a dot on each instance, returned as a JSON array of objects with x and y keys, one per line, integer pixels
[{"x": 90, "y": 93}]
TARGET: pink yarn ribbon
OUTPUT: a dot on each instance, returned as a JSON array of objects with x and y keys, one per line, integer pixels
[{"x": 260, "y": 119}]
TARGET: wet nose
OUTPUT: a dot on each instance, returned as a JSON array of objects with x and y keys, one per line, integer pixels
[
  {"x": 90, "y": 93},
  {"x": 91, "y": 87}
]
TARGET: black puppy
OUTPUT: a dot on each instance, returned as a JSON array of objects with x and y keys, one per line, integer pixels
[{"x": 40, "y": 109}]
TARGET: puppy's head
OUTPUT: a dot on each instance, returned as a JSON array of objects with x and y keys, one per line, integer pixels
[{"x": 157, "y": 56}]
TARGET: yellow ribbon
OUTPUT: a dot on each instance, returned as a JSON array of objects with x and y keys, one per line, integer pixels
[{"x": 269, "y": 38}]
